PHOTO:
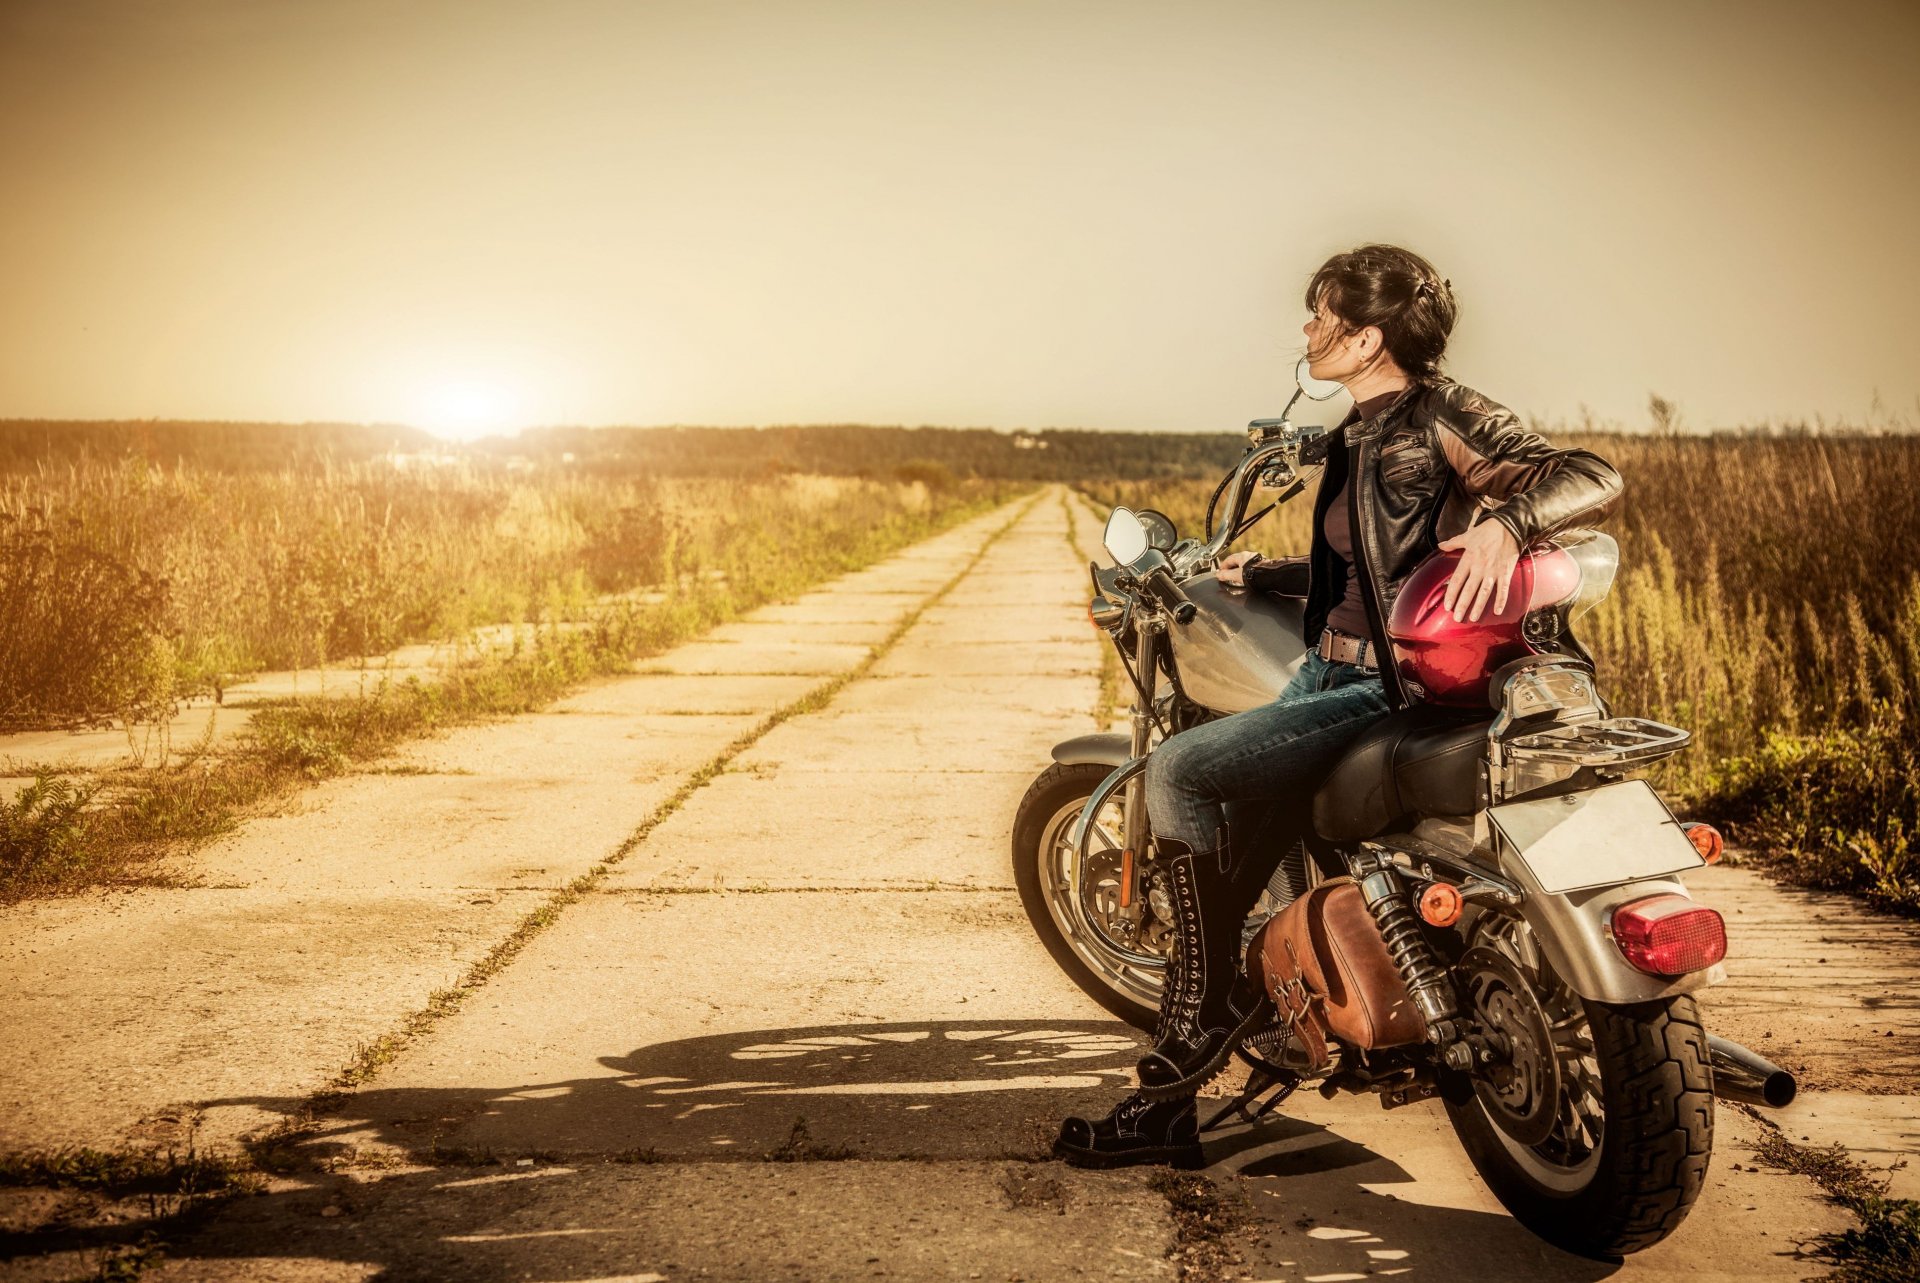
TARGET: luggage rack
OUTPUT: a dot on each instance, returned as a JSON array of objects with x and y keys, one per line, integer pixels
[{"x": 1612, "y": 741}]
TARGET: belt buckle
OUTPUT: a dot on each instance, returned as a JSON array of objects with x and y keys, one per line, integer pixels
[{"x": 1329, "y": 637}]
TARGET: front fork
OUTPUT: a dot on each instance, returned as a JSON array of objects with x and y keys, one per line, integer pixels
[{"x": 1133, "y": 806}]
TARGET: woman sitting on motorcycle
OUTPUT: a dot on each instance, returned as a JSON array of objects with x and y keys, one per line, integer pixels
[{"x": 1421, "y": 463}]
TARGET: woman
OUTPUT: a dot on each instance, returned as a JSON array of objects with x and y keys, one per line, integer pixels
[{"x": 1415, "y": 466}]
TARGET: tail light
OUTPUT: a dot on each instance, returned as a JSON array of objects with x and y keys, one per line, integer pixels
[
  {"x": 1669, "y": 935},
  {"x": 1706, "y": 840}
]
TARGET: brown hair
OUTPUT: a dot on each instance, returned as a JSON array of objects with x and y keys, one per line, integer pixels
[{"x": 1397, "y": 292}]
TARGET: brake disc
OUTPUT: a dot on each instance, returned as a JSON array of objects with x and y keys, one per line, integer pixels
[
  {"x": 1521, "y": 1094},
  {"x": 1100, "y": 894}
]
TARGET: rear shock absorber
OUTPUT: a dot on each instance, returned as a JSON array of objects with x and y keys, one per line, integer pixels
[{"x": 1390, "y": 903}]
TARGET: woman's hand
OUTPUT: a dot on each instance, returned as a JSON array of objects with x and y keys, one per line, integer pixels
[
  {"x": 1488, "y": 556},
  {"x": 1232, "y": 570}
]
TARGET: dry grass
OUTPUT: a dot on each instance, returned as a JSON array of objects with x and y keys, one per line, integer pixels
[{"x": 125, "y": 586}]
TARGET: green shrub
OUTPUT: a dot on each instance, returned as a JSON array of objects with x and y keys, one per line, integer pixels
[{"x": 44, "y": 831}]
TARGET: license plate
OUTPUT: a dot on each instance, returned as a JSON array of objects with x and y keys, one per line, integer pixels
[{"x": 1618, "y": 833}]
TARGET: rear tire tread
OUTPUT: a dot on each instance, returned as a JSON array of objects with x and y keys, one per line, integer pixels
[
  {"x": 1657, "y": 1143},
  {"x": 1669, "y": 1096}
]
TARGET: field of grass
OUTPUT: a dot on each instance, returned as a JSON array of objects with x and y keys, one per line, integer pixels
[
  {"x": 1769, "y": 598},
  {"x": 125, "y": 588},
  {"x": 1769, "y": 601}
]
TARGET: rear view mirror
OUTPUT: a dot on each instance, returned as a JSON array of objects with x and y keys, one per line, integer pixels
[
  {"x": 1126, "y": 537},
  {"x": 1316, "y": 389}
]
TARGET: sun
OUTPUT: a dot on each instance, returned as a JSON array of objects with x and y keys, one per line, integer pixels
[{"x": 468, "y": 409}]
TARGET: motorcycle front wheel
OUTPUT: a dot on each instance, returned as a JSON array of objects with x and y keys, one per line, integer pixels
[
  {"x": 1043, "y": 833},
  {"x": 1616, "y": 1149}
]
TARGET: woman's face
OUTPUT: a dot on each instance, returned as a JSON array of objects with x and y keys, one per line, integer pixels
[{"x": 1333, "y": 353}]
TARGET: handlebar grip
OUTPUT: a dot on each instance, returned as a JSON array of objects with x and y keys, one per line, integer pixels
[{"x": 1172, "y": 595}]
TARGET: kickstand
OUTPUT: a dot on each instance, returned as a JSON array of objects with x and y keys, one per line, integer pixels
[{"x": 1280, "y": 1083}]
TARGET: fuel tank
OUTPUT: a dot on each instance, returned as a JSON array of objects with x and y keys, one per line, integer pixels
[{"x": 1240, "y": 649}]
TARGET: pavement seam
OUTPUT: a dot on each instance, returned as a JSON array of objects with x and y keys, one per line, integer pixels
[{"x": 372, "y": 1057}]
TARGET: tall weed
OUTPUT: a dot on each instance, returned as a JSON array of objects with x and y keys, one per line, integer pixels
[{"x": 124, "y": 586}]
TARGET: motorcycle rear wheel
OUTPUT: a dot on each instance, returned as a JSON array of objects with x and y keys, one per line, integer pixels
[
  {"x": 1632, "y": 1133},
  {"x": 1042, "y": 836}
]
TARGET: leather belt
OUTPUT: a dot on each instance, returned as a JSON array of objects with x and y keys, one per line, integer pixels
[{"x": 1344, "y": 648}]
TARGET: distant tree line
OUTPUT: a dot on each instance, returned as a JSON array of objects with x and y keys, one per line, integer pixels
[
  {"x": 1050, "y": 455},
  {"x": 935, "y": 456},
  {"x": 227, "y": 447}
]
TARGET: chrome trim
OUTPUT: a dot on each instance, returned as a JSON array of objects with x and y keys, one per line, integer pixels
[
  {"x": 1614, "y": 741},
  {"x": 1236, "y": 498},
  {"x": 1563, "y": 684},
  {"x": 1083, "y": 831},
  {"x": 1747, "y": 1076},
  {"x": 1476, "y": 881}
]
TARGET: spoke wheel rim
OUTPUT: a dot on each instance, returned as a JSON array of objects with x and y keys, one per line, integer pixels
[
  {"x": 1097, "y": 952},
  {"x": 1568, "y": 1157}
]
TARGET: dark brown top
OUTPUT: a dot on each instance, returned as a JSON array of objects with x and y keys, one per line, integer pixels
[{"x": 1349, "y": 614}]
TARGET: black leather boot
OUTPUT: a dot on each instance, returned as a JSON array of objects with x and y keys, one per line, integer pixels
[
  {"x": 1137, "y": 1131},
  {"x": 1208, "y": 1006}
]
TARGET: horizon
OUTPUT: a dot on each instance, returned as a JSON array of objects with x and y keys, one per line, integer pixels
[{"x": 1886, "y": 428}]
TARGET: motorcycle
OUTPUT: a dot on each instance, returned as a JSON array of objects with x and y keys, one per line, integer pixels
[{"x": 1523, "y": 881}]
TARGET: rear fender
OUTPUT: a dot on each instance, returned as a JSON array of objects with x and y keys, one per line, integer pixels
[{"x": 1574, "y": 932}]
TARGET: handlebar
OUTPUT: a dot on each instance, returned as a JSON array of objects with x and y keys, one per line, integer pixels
[
  {"x": 1239, "y": 492},
  {"x": 1154, "y": 574},
  {"x": 1276, "y": 449}
]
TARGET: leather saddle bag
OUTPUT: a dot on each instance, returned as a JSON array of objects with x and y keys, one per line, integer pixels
[{"x": 1323, "y": 962}]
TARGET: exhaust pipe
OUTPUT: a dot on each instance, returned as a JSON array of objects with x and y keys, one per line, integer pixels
[{"x": 1747, "y": 1076}]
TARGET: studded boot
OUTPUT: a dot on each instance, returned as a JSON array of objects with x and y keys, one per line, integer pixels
[
  {"x": 1137, "y": 1131},
  {"x": 1208, "y": 1006}
]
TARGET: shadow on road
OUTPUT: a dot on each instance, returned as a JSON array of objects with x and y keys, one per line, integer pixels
[
  {"x": 935, "y": 1090},
  {"x": 728, "y": 1153}
]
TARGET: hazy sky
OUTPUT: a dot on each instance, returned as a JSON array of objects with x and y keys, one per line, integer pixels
[{"x": 1040, "y": 214}]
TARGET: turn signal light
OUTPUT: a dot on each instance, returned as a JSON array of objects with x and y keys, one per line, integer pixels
[
  {"x": 1669, "y": 935},
  {"x": 1104, "y": 613},
  {"x": 1440, "y": 904},
  {"x": 1706, "y": 840}
]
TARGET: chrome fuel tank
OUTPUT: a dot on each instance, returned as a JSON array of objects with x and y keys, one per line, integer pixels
[{"x": 1240, "y": 649}]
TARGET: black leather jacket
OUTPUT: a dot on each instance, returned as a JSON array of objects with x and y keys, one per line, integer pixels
[{"x": 1421, "y": 467}]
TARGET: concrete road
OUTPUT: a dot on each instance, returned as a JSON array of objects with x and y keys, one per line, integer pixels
[{"x": 795, "y": 1025}]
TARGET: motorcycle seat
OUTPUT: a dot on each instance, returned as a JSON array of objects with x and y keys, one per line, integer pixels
[{"x": 1420, "y": 761}]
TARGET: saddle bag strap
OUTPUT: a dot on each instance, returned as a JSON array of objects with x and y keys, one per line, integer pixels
[{"x": 1296, "y": 1005}]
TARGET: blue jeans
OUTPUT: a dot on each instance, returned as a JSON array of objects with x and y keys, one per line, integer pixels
[{"x": 1255, "y": 773}]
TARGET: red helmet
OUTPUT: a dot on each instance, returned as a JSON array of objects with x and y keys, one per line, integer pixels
[{"x": 1447, "y": 661}]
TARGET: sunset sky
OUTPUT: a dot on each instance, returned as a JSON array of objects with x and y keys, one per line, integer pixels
[{"x": 491, "y": 214}]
